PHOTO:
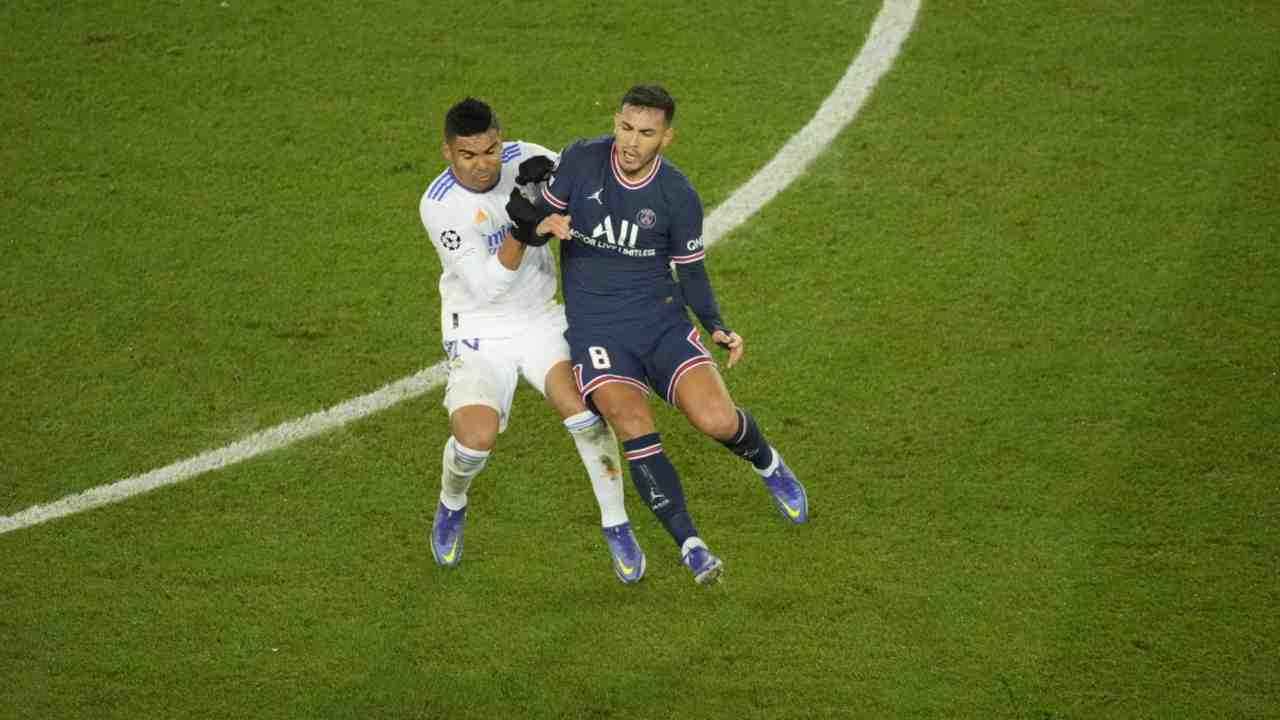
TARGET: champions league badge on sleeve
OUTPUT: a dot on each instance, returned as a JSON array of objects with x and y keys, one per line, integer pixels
[{"x": 450, "y": 239}]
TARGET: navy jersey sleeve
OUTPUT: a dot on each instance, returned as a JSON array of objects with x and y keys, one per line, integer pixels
[
  {"x": 686, "y": 227},
  {"x": 687, "y": 254},
  {"x": 558, "y": 190}
]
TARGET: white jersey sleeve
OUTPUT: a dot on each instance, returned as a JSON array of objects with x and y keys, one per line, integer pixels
[
  {"x": 478, "y": 296},
  {"x": 464, "y": 253}
]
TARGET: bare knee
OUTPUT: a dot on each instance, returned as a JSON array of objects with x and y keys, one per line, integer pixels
[
  {"x": 475, "y": 426},
  {"x": 630, "y": 423},
  {"x": 704, "y": 400},
  {"x": 719, "y": 420},
  {"x": 626, "y": 410},
  {"x": 562, "y": 391}
]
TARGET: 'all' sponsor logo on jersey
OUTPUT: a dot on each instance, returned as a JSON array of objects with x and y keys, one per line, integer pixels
[{"x": 626, "y": 236}]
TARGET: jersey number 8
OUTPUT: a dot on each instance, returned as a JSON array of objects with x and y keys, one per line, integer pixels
[{"x": 599, "y": 357}]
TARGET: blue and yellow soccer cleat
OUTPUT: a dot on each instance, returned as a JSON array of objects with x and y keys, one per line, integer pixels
[
  {"x": 446, "y": 535},
  {"x": 628, "y": 558},
  {"x": 788, "y": 494},
  {"x": 706, "y": 568}
]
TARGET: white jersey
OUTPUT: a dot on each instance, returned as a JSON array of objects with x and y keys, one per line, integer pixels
[{"x": 478, "y": 296}]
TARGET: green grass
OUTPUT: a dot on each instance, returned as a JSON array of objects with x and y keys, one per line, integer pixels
[
  {"x": 210, "y": 225},
  {"x": 1017, "y": 330}
]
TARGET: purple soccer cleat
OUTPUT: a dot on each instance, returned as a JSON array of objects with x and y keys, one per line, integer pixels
[
  {"x": 628, "y": 558},
  {"x": 706, "y": 568},
  {"x": 446, "y": 535},
  {"x": 788, "y": 494}
]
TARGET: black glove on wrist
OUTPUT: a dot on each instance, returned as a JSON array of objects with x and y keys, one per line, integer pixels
[
  {"x": 525, "y": 217},
  {"x": 535, "y": 170}
]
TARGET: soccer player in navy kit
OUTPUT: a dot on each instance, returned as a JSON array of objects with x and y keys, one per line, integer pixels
[{"x": 626, "y": 217}]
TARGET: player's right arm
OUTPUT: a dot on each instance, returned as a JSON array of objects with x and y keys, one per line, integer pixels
[
  {"x": 464, "y": 251},
  {"x": 543, "y": 216}
]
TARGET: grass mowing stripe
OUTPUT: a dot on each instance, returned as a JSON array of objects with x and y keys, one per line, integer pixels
[{"x": 888, "y": 31}]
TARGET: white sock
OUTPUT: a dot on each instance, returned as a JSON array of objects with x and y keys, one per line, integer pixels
[
  {"x": 459, "y": 466},
  {"x": 598, "y": 449},
  {"x": 690, "y": 544},
  {"x": 773, "y": 466}
]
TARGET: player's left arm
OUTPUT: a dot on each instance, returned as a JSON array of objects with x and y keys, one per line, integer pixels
[
  {"x": 511, "y": 252},
  {"x": 534, "y": 220},
  {"x": 702, "y": 300},
  {"x": 688, "y": 254}
]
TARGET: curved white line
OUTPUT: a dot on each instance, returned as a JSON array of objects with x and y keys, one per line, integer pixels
[
  {"x": 891, "y": 27},
  {"x": 887, "y": 34}
]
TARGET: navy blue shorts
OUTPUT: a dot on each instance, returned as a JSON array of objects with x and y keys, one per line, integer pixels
[{"x": 656, "y": 359}]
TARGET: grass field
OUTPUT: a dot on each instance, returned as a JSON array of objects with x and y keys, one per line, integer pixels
[{"x": 1018, "y": 330}]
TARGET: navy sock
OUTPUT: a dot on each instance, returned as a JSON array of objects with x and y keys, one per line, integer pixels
[
  {"x": 655, "y": 479},
  {"x": 749, "y": 443}
]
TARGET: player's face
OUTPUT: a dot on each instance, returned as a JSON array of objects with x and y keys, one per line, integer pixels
[
  {"x": 476, "y": 159},
  {"x": 639, "y": 134}
]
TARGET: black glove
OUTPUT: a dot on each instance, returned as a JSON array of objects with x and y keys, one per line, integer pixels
[
  {"x": 525, "y": 217},
  {"x": 535, "y": 170}
]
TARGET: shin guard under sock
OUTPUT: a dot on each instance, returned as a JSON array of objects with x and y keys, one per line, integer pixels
[{"x": 655, "y": 479}]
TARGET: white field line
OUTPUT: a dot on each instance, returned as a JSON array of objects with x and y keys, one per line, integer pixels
[{"x": 891, "y": 27}]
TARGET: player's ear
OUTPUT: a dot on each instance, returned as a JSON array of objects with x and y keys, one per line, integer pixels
[
  {"x": 668, "y": 136},
  {"x": 447, "y": 152}
]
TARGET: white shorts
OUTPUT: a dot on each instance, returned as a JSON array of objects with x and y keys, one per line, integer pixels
[{"x": 485, "y": 371}]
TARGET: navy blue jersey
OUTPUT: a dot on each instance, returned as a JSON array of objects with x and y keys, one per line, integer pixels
[{"x": 617, "y": 268}]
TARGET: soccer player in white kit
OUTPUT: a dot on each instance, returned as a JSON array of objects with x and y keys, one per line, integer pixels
[{"x": 499, "y": 320}]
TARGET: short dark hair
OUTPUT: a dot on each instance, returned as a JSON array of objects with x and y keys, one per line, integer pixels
[
  {"x": 469, "y": 117},
  {"x": 652, "y": 96}
]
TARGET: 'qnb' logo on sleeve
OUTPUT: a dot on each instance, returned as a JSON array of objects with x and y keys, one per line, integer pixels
[{"x": 695, "y": 244}]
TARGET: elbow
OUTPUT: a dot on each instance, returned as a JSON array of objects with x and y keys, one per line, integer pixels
[
  {"x": 491, "y": 293},
  {"x": 492, "y": 290},
  {"x": 497, "y": 281},
  {"x": 485, "y": 290},
  {"x": 489, "y": 281}
]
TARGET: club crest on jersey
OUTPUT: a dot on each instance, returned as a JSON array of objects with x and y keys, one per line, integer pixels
[
  {"x": 646, "y": 218},
  {"x": 450, "y": 239}
]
